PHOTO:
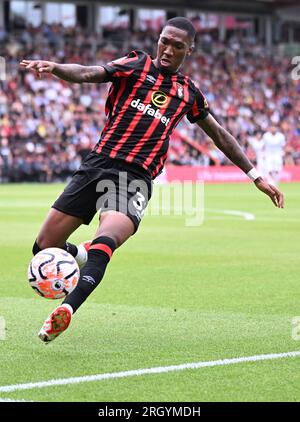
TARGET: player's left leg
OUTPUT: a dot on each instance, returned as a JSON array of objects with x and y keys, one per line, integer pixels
[{"x": 114, "y": 229}]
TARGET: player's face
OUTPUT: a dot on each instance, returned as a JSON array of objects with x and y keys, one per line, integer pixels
[{"x": 174, "y": 45}]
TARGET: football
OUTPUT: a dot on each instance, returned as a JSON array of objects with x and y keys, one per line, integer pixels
[{"x": 53, "y": 273}]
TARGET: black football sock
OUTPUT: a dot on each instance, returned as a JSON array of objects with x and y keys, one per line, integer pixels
[
  {"x": 72, "y": 249},
  {"x": 36, "y": 249},
  {"x": 91, "y": 274},
  {"x": 69, "y": 247}
]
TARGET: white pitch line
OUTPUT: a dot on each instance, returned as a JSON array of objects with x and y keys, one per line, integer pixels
[
  {"x": 12, "y": 400},
  {"x": 246, "y": 215},
  {"x": 146, "y": 371}
]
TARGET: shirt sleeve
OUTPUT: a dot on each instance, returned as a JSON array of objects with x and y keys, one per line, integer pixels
[
  {"x": 124, "y": 66},
  {"x": 199, "y": 109}
]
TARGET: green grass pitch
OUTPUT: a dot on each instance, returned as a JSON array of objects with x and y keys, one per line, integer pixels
[{"x": 172, "y": 295}]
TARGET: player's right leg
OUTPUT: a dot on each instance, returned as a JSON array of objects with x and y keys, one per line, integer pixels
[{"x": 55, "y": 231}]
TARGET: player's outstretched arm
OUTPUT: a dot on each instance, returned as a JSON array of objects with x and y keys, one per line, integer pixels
[
  {"x": 68, "y": 72},
  {"x": 230, "y": 147}
]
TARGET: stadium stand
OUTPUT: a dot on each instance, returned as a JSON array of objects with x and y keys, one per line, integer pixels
[{"x": 48, "y": 126}]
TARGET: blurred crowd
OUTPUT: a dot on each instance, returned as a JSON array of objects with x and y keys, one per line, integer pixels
[{"x": 47, "y": 125}]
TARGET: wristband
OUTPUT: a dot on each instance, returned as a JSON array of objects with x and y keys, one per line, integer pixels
[{"x": 253, "y": 174}]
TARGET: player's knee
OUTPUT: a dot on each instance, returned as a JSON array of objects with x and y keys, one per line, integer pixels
[{"x": 118, "y": 227}]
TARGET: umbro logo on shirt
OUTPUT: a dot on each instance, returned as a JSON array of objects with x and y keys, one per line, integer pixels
[{"x": 151, "y": 79}]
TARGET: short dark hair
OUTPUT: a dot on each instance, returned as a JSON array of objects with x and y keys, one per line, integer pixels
[{"x": 184, "y": 24}]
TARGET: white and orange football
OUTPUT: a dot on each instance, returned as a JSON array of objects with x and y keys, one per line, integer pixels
[{"x": 53, "y": 273}]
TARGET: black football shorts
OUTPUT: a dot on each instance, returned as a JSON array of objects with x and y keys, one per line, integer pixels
[{"x": 101, "y": 184}]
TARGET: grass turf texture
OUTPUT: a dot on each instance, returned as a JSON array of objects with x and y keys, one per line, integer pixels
[{"x": 171, "y": 295}]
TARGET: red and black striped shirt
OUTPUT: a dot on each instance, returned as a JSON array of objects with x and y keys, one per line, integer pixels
[{"x": 143, "y": 107}]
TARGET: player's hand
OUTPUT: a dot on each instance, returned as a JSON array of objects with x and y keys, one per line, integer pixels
[
  {"x": 38, "y": 66},
  {"x": 270, "y": 190}
]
